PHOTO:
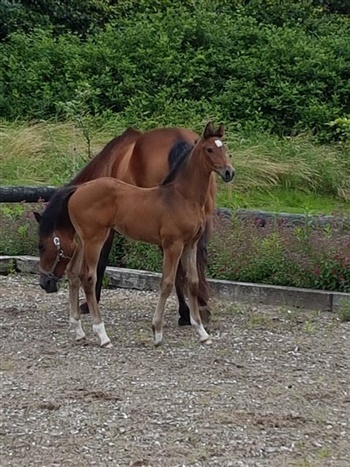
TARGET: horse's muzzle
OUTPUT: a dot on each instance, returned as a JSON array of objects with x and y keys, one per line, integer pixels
[
  {"x": 49, "y": 284},
  {"x": 227, "y": 173}
]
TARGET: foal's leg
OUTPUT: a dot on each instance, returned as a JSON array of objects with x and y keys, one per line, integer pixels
[
  {"x": 184, "y": 311},
  {"x": 189, "y": 262},
  {"x": 73, "y": 270},
  {"x": 203, "y": 288},
  {"x": 88, "y": 278},
  {"x": 102, "y": 264},
  {"x": 171, "y": 260}
]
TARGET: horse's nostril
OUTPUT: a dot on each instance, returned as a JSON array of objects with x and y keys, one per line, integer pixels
[{"x": 229, "y": 174}]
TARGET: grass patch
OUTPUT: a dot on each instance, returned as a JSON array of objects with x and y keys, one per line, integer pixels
[
  {"x": 344, "y": 310},
  {"x": 280, "y": 199},
  {"x": 276, "y": 174},
  {"x": 47, "y": 152}
]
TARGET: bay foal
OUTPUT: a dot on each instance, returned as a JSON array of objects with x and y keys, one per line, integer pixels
[
  {"x": 171, "y": 215},
  {"x": 142, "y": 159}
]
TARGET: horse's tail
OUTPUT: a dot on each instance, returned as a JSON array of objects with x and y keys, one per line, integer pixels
[{"x": 56, "y": 215}]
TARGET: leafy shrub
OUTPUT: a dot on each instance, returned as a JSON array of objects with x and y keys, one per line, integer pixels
[
  {"x": 18, "y": 230},
  {"x": 282, "y": 255},
  {"x": 73, "y": 16},
  {"x": 341, "y": 128},
  {"x": 142, "y": 256},
  {"x": 280, "y": 67},
  {"x": 243, "y": 251}
]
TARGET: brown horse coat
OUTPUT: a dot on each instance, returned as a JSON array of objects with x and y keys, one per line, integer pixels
[
  {"x": 141, "y": 159},
  {"x": 171, "y": 215}
]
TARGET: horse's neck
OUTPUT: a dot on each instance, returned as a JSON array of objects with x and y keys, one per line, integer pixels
[{"x": 194, "y": 179}]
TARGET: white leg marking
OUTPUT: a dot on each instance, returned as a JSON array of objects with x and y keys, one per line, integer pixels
[
  {"x": 158, "y": 338},
  {"x": 99, "y": 329},
  {"x": 203, "y": 335},
  {"x": 76, "y": 325}
]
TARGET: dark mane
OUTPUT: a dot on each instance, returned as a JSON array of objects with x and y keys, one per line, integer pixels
[
  {"x": 178, "y": 155},
  {"x": 56, "y": 215},
  {"x": 95, "y": 168}
]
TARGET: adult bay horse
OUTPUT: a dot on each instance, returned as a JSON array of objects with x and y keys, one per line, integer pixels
[
  {"x": 171, "y": 216},
  {"x": 141, "y": 159}
]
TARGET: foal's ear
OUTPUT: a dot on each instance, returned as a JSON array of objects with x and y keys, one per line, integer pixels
[
  {"x": 37, "y": 216},
  {"x": 208, "y": 130},
  {"x": 220, "y": 131}
]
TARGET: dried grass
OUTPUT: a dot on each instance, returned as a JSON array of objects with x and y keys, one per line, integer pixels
[{"x": 52, "y": 153}]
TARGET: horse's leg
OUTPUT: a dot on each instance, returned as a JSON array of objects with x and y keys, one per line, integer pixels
[
  {"x": 88, "y": 278},
  {"x": 101, "y": 267},
  {"x": 203, "y": 287},
  {"x": 184, "y": 311},
  {"x": 189, "y": 262},
  {"x": 73, "y": 270},
  {"x": 171, "y": 258},
  {"x": 202, "y": 260}
]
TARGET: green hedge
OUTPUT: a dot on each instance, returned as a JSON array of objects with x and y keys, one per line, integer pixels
[{"x": 277, "y": 66}]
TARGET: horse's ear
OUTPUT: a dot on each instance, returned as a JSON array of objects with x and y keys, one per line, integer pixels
[
  {"x": 37, "y": 216},
  {"x": 220, "y": 131},
  {"x": 208, "y": 130}
]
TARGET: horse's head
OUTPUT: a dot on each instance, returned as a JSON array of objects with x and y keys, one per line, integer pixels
[
  {"x": 216, "y": 157},
  {"x": 55, "y": 251}
]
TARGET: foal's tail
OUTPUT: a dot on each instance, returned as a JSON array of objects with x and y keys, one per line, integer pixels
[{"x": 56, "y": 215}]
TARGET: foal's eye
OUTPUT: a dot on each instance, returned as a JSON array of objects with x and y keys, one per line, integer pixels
[{"x": 210, "y": 149}]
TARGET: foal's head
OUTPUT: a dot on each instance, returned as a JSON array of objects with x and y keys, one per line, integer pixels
[
  {"x": 56, "y": 242},
  {"x": 214, "y": 152}
]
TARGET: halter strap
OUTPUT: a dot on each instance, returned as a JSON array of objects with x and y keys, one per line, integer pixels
[{"x": 59, "y": 255}]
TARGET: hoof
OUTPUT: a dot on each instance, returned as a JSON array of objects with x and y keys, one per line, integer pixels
[
  {"x": 184, "y": 321},
  {"x": 207, "y": 341},
  {"x": 84, "y": 309},
  {"x": 205, "y": 313},
  {"x": 80, "y": 339},
  {"x": 158, "y": 337},
  {"x": 107, "y": 345}
]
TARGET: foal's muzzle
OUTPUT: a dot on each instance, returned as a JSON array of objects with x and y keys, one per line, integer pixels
[
  {"x": 48, "y": 280},
  {"x": 49, "y": 284},
  {"x": 227, "y": 173}
]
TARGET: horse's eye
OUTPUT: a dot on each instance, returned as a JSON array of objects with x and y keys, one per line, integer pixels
[
  {"x": 210, "y": 149},
  {"x": 41, "y": 248}
]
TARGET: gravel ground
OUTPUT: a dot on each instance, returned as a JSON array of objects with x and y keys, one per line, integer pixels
[{"x": 272, "y": 390}]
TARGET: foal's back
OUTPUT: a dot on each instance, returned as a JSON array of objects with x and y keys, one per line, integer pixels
[{"x": 145, "y": 214}]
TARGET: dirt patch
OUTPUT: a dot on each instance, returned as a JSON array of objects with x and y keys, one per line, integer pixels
[{"x": 272, "y": 390}]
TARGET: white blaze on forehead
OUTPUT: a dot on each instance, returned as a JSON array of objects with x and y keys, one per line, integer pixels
[{"x": 218, "y": 143}]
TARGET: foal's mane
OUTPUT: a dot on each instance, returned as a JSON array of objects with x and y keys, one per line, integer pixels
[
  {"x": 98, "y": 165},
  {"x": 56, "y": 214},
  {"x": 181, "y": 151},
  {"x": 178, "y": 155}
]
